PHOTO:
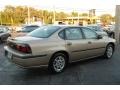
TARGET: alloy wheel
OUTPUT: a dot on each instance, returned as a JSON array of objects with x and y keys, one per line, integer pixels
[
  {"x": 59, "y": 63},
  {"x": 109, "y": 52}
]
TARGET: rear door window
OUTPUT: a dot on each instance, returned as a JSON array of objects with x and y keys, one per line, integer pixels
[{"x": 73, "y": 33}]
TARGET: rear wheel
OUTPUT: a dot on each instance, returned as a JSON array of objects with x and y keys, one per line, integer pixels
[
  {"x": 109, "y": 51},
  {"x": 57, "y": 63}
]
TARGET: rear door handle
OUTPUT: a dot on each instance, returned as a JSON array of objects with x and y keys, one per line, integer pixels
[
  {"x": 69, "y": 43},
  {"x": 89, "y": 42}
]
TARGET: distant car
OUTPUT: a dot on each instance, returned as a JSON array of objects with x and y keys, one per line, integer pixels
[
  {"x": 56, "y": 46},
  {"x": 4, "y": 33},
  {"x": 111, "y": 31},
  {"x": 98, "y": 29},
  {"x": 26, "y": 29}
]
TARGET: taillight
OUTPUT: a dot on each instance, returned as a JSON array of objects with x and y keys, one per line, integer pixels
[{"x": 23, "y": 48}]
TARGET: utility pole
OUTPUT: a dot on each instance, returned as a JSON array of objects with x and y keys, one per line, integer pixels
[
  {"x": 117, "y": 24},
  {"x": 0, "y": 18},
  {"x": 78, "y": 17},
  {"x": 73, "y": 18},
  {"x": 54, "y": 17},
  {"x": 12, "y": 22},
  {"x": 43, "y": 17},
  {"x": 28, "y": 15}
]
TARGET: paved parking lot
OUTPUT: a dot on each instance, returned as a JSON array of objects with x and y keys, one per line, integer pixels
[{"x": 93, "y": 71}]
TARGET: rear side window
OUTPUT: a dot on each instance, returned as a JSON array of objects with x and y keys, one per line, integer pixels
[
  {"x": 73, "y": 33},
  {"x": 29, "y": 28}
]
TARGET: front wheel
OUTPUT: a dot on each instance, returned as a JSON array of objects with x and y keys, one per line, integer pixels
[
  {"x": 109, "y": 51},
  {"x": 57, "y": 63}
]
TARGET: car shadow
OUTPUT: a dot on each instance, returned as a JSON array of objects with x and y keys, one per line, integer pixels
[
  {"x": 87, "y": 61},
  {"x": 38, "y": 76},
  {"x": 44, "y": 70}
]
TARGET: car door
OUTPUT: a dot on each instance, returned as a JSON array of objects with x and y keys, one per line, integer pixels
[
  {"x": 95, "y": 46},
  {"x": 75, "y": 43}
]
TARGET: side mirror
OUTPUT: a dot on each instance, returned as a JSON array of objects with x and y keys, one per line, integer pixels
[{"x": 99, "y": 37}]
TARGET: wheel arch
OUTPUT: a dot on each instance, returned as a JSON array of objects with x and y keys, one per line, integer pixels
[
  {"x": 111, "y": 43},
  {"x": 63, "y": 52}
]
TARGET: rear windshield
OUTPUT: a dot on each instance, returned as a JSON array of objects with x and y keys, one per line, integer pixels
[
  {"x": 29, "y": 28},
  {"x": 44, "y": 31}
]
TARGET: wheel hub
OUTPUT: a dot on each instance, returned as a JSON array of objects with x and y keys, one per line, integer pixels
[
  {"x": 59, "y": 63},
  {"x": 109, "y": 51}
]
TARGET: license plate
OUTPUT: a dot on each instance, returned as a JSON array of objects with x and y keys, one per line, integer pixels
[{"x": 9, "y": 55}]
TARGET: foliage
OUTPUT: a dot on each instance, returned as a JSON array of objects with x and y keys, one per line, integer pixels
[
  {"x": 84, "y": 14},
  {"x": 106, "y": 19},
  {"x": 74, "y": 14},
  {"x": 18, "y": 15}
]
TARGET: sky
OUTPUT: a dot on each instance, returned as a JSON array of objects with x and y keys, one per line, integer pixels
[{"x": 101, "y": 6}]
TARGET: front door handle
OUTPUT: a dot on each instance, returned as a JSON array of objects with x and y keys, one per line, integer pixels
[
  {"x": 89, "y": 42},
  {"x": 69, "y": 43}
]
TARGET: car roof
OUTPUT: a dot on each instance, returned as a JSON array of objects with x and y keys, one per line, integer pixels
[
  {"x": 93, "y": 25},
  {"x": 65, "y": 26},
  {"x": 31, "y": 25},
  {"x": 2, "y": 26}
]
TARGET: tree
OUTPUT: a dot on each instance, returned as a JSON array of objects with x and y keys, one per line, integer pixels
[
  {"x": 74, "y": 14},
  {"x": 9, "y": 14},
  {"x": 106, "y": 19},
  {"x": 84, "y": 14},
  {"x": 18, "y": 15},
  {"x": 61, "y": 15}
]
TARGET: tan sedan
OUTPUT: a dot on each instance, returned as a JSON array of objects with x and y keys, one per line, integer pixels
[{"x": 56, "y": 46}]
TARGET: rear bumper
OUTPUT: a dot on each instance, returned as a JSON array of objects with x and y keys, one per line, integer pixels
[{"x": 26, "y": 61}]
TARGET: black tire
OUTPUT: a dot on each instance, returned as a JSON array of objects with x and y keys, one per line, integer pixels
[
  {"x": 51, "y": 66},
  {"x": 1, "y": 40},
  {"x": 109, "y": 48}
]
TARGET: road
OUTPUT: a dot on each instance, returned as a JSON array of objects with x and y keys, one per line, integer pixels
[{"x": 98, "y": 71}]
